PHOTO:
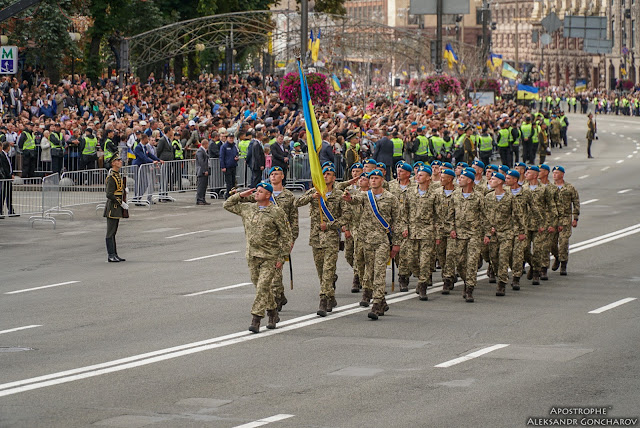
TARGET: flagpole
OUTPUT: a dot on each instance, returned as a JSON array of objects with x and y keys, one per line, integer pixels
[{"x": 304, "y": 24}]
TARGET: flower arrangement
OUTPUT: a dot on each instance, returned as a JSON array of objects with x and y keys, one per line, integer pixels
[
  {"x": 541, "y": 84},
  {"x": 318, "y": 88},
  {"x": 484, "y": 85},
  {"x": 626, "y": 84},
  {"x": 440, "y": 84}
]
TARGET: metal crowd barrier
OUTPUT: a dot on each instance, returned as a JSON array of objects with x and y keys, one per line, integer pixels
[
  {"x": 22, "y": 195},
  {"x": 82, "y": 187},
  {"x": 50, "y": 201},
  {"x": 218, "y": 185},
  {"x": 299, "y": 174}
]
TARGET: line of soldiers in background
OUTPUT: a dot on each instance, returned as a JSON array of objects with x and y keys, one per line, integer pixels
[{"x": 430, "y": 215}]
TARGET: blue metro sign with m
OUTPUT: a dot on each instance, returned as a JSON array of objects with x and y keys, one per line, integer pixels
[{"x": 8, "y": 59}]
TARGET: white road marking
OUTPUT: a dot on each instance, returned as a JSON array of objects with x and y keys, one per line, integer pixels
[
  {"x": 213, "y": 290},
  {"x": 590, "y": 201},
  {"x": 556, "y": 158},
  {"x": 265, "y": 421},
  {"x": 605, "y": 236},
  {"x": 635, "y": 152},
  {"x": 471, "y": 356},
  {"x": 612, "y": 305},
  {"x": 209, "y": 256},
  {"x": 574, "y": 149},
  {"x": 605, "y": 168},
  {"x": 40, "y": 288},
  {"x": 11, "y": 330},
  {"x": 160, "y": 230},
  {"x": 72, "y": 375},
  {"x": 629, "y": 156},
  {"x": 186, "y": 234},
  {"x": 621, "y": 136},
  {"x": 624, "y": 191},
  {"x": 582, "y": 177},
  {"x": 568, "y": 153},
  {"x": 620, "y": 161}
]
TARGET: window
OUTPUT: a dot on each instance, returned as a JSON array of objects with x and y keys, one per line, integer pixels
[
  {"x": 633, "y": 33},
  {"x": 613, "y": 31}
]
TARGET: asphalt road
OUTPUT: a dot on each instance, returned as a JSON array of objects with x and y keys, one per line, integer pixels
[{"x": 139, "y": 344}]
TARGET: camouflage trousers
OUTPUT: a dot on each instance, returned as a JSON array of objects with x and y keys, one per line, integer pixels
[
  {"x": 262, "y": 273},
  {"x": 441, "y": 254},
  {"x": 358, "y": 261},
  {"x": 548, "y": 243},
  {"x": 277, "y": 285},
  {"x": 376, "y": 257},
  {"x": 535, "y": 256},
  {"x": 423, "y": 255},
  {"x": 500, "y": 250},
  {"x": 485, "y": 255},
  {"x": 404, "y": 257},
  {"x": 349, "y": 251},
  {"x": 517, "y": 256},
  {"x": 560, "y": 243},
  {"x": 465, "y": 257},
  {"x": 326, "y": 260}
]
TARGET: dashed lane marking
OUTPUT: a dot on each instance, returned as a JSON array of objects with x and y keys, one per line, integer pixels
[
  {"x": 612, "y": 305},
  {"x": 43, "y": 287},
  {"x": 209, "y": 256},
  {"x": 471, "y": 356}
]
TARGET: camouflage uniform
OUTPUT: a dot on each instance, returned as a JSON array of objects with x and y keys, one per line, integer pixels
[
  {"x": 286, "y": 200},
  {"x": 375, "y": 240},
  {"x": 349, "y": 243},
  {"x": 325, "y": 244},
  {"x": 521, "y": 206},
  {"x": 502, "y": 216},
  {"x": 549, "y": 237},
  {"x": 447, "y": 246},
  {"x": 543, "y": 208},
  {"x": 466, "y": 217},
  {"x": 568, "y": 198},
  {"x": 269, "y": 240},
  {"x": 421, "y": 214},
  {"x": 485, "y": 254},
  {"x": 403, "y": 259}
]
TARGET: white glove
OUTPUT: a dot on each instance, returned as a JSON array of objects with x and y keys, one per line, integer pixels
[
  {"x": 126, "y": 190},
  {"x": 125, "y": 205}
]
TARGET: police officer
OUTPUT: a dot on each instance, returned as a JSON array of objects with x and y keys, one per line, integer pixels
[
  {"x": 27, "y": 144},
  {"x": 57, "y": 149},
  {"x": 88, "y": 150},
  {"x": 110, "y": 148},
  {"x": 113, "y": 208}
]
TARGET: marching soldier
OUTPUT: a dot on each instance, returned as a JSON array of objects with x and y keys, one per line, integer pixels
[
  {"x": 327, "y": 220},
  {"x": 445, "y": 245},
  {"x": 521, "y": 206},
  {"x": 269, "y": 242},
  {"x": 544, "y": 179},
  {"x": 350, "y": 231},
  {"x": 381, "y": 225},
  {"x": 568, "y": 206},
  {"x": 420, "y": 205},
  {"x": 363, "y": 187},
  {"x": 400, "y": 188},
  {"x": 113, "y": 209}
]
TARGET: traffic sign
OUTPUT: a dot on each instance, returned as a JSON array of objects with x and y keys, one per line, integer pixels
[
  {"x": 551, "y": 22},
  {"x": 8, "y": 59},
  {"x": 545, "y": 39}
]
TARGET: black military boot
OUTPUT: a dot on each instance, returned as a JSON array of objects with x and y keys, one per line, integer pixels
[
  {"x": 422, "y": 290},
  {"x": 331, "y": 303},
  {"x": 115, "y": 250},
  {"x": 355, "y": 287},
  {"x": 322, "y": 309},
  {"x": 366, "y": 298},
  {"x": 273, "y": 319},
  {"x": 384, "y": 306},
  {"x": 530, "y": 273},
  {"x": 556, "y": 265},
  {"x": 448, "y": 286},
  {"x": 335, "y": 279},
  {"x": 501, "y": 288},
  {"x": 464, "y": 291},
  {"x": 469, "y": 296},
  {"x": 491, "y": 275},
  {"x": 536, "y": 278},
  {"x": 515, "y": 284},
  {"x": 563, "y": 268},
  {"x": 255, "y": 324},
  {"x": 543, "y": 274},
  {"x": 111, "y": 257},
  {"x": 403, "y": 280},
  {"x": 375, "y": 311}
]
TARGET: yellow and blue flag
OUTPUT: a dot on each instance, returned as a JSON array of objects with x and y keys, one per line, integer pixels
[
  {"x": 347, "y": 70},
  {"x": 450, "y": 55},
  {"x": 526, "y": 92},
  {"x": 494, "y": 61},
  {"x": 311, "y": 40},
  {"x": 509, "y": 72},
  {"x": 335, "y": 82},
  {"x": 314, "y": 139},
  {"x": 315, "y": 47},
  {"x": 581, "y": 85}
]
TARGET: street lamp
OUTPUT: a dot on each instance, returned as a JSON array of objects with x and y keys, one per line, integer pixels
[
  {"x": 4, "y": 40},
  {"x": 75, "y": 37}
]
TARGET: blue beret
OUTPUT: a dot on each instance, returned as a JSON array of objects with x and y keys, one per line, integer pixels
[
  {"x": 449, "y": 172},
  {"x": 469, "y": 175},
  {"x": 522, "y": 164},
  {"x": 498, "y": 175},
  {"x": 426, "y": 169},
  {"x": 479, "y": 163},
  {"x": 419, "y": 163},
  {"x": 356, "y": 165},
  {"x": 405, "y": 166},
  {"x": 328, "y": 169},
  {"x": 381, "y": 165},
  {"x": 533, "y": 168},
  {"x": 504, "y": 168},
  {"x": 266, "y": 186},
  {"x": 436, "y": 162},
  {"x": 447, "y": 165},
  {"x": 275, "y": 168},
  {"x": 462, "y": 164},
  {"x": 371, "y": 162},
  {"x": 493, "y": 167},
  {"x": 514, "y": 173},
  {"x": 328, "y": 163},
  {"x": 559, "y": 168},
  {"x": 544, "y": 166},
  {"x": 471, "y": 170},
  {"x": 376, "y": 172}
]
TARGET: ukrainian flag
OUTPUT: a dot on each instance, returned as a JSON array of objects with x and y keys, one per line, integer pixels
[
  {"x": 335, "y": 82},
  {"x": 450, "y": 55},
  {"x": 509, "y": 72},
  {"x": 314, "y": 139},
  {"x": 347, "y": 70},
  {"x": 494, "y": 61},
  {"x": 315, "y": 47},
  {"x": 527, "y": 92},
  {"x": 311, "y": 40}
]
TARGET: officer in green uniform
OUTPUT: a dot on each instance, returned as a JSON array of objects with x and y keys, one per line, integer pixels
[{"x": 113, "y": 208}]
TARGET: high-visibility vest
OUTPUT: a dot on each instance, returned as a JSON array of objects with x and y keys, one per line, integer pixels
[
  {"x": 30, "y": 144},
  {"x": 572, "y": 101},
  {"x": 460, "y": 140},
  {"x": 423, "y": 148},
  {"x": 397, "y": 147},
  {"x": 503, "y": 137},
  {"x": 536, "y": 130},
  {"x": 515, "y": 141},
  {"x": 563, "y": 121},
  {"x": 448, "y": 145},
  {"x": 486, "y": 143},
  {"x": 108, "y": 154},
  {"x": 178, "y": 152},
  {"x": 90, "y": 146},
  {"x": 548, "y": 123},
  {"x": 55, "y": 145},
  {"x": 438, "y": 143},
  {"x": 348, "y": 145},
  {"x": 526, "y": 130},
  {"x": 243, "y": 147}
]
